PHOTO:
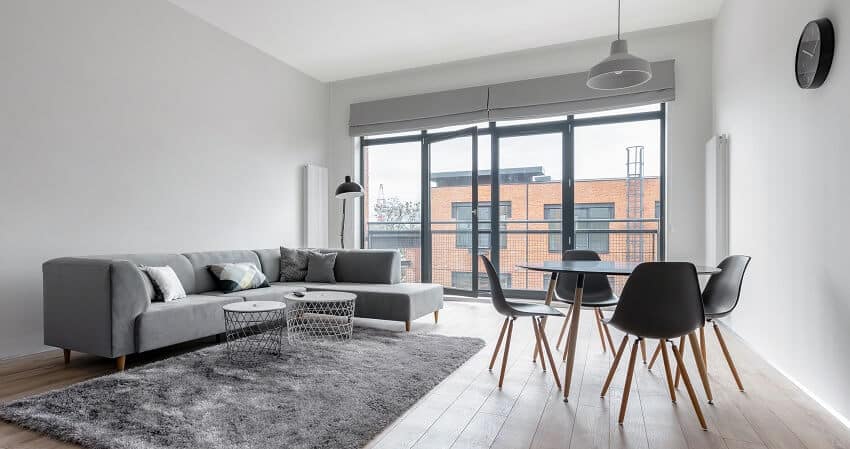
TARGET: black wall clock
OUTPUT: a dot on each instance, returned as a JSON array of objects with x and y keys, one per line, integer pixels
[{"x": 814, "y": 53}]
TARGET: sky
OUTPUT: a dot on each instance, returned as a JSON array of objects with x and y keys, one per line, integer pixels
[{"x": 600, "y": 152}]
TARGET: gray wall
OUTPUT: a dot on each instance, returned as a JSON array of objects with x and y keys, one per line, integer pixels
[
  {"x": 789, "y": 189},
  {"x": 689, "y": 118},
  {"x": 134, "y": 126}
]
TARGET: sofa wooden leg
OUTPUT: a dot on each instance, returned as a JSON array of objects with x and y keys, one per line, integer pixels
[
  {"x": 119, "y": 362},
  {"x": 67, "y": 354},
  {"x": 407, "y": 326},
  {"x": 436, "y": 316}
]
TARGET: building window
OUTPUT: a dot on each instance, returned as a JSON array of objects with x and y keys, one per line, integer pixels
[
  {"x": 553, "y": 212},
  {"x": 463, "y": 280},
  {"x": 585, "y": 214},
  {"x": 462, "y": 212}
]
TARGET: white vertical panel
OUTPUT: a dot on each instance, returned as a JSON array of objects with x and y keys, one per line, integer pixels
[
  {"x": 315, "y": 206},
  {"x": 716, "y": 199}
]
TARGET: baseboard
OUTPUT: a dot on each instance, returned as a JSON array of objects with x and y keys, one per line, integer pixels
[{"x": 841, "y": 418}]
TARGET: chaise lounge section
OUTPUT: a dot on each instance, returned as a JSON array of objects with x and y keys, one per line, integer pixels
[{"x": 101, "y": 305}]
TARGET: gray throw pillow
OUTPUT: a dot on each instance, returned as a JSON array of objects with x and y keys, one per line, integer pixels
[
  {"x": 293, "y": 264},
  {"x": 320, "y": 268}
]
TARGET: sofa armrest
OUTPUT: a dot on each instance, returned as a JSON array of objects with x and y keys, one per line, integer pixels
[{"x": 90, "y": 305}]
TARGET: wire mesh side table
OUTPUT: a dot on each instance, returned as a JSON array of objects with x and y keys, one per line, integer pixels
[
  {"x": 319, "y": 316},
  {"x": 254, "y": 329}
]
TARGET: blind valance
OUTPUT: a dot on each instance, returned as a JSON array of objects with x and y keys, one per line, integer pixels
[{"x": 554, "y": 95}]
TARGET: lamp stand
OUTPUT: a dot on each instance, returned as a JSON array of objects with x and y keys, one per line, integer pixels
[{"x": 342, "y": 227}]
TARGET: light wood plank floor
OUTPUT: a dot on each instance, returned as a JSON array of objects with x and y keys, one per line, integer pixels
[{"x": 468, "y": 411}]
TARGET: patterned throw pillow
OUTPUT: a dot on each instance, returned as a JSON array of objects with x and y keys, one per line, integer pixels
[
  {"x": 320, "y": 268},
  {"x": 234, "y": 277},
  {"x": 166, "y": 283},
  {"x": 293, "y": 264}
]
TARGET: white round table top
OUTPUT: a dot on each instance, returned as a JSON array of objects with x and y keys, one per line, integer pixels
[
  {"x": 254, "y": 306},
  {"x": 321, "y": 297}
]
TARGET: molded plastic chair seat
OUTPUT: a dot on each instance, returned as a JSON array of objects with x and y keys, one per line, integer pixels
[
  {"x": 524, "y": 309},
  {"x": 597, "y": 290}
]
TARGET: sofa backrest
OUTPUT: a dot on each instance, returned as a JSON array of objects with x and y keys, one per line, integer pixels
[
  {"x": 204, "y": 280},
  {"x": 366, "y": 266},
  {"x": 178, "y": 262}
]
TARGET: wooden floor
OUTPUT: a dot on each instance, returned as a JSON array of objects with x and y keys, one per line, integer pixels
[{"x": 468, "y": 411}]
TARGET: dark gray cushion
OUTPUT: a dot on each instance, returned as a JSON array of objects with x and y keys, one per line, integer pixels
[
  {"x": 204, "y": 280},
  {"x": 320, "y": 267},
  {"x": 399, "y": 302},
  {"x": 368, "y": 266},
  {"x": 293, "y": 264},
  {"x": 189, "y": 318}
]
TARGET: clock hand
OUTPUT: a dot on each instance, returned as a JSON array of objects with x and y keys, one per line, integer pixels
[{"x": 809, "y": 54}]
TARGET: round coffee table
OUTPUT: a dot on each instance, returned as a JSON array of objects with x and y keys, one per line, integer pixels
[
  {"x": 253, "y": 329},
  {"x": 319, "y": 316}
]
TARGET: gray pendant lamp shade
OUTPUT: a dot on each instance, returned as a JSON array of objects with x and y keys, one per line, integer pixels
[
  {"x": 621, "y": 70},
  {"x": 349, "y": 189}
]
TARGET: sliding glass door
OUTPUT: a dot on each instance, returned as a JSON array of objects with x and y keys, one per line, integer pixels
[
  {"x": 517, "y": 191},
  {"x": 454, "y": 213}
]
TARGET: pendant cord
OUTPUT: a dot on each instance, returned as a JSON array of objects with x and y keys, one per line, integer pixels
[{"x": 619, "y": 4}]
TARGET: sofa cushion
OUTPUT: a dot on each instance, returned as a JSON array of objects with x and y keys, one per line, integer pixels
[
  {"x": 272, "y": 293},
  {"x": 320, "y": 267},
  {"x": 294, "y": 264},
  {"x": 204, "y": 280},
  {"x": 234, "y": 277},
  {"x": 189, "y": 318},
  {"x": 270, "y": 263},
  {"x": 400, "y": 302}
]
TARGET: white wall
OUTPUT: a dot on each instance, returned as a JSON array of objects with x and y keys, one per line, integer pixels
[
  {"x": 689, "y": 117},
  {"x": 789, "y": 185},
  {"x": 132, "y": 126}
]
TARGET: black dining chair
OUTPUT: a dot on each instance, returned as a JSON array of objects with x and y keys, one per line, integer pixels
[
  {"x": 660, "y": 300},
  {"x": 719, "y": 299},
  {"x": 513, "y": 310},
  {"x": 597, "y": 294}
]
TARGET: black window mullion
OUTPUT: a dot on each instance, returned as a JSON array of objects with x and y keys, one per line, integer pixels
[
  {"x": 425, "y": 209},
  {"x": 568, "y": 187},
  {"x": 495, "y": 219}
]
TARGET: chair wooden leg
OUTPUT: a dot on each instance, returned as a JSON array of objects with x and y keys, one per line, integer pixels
[
  {"x": 681, "y": 368},
  {"x": 564, "y": 327},
  {"x": 538, "y": 346},
  {"x": 614, "y": 365},
  {"x": 703, "y": 374},
  {"x": 407, "y": 326},
  {"x": 67, "y": 355},
  {"x": 436, "y": 316},
  {"x": 643, "y": 350},
  {"x": 599, "y": 329},
  {"x": 499, "y": 343},
  {"x": 607, "y": 333},
  {"x": 505, "y": 355},
  {"x": 682, "y": 342},
  {"x": 654, "y": 356},
  {"x": 119, "y": 362},
  {"x": 548, "y": 353},
  {"x": 628, "y": 386},
  {"x": 728, "y": 357},
  {"x": 662, "y": 345},
  {"x": 702, "y": 346}
]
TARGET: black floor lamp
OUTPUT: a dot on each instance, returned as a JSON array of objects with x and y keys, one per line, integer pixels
[{"x": 346, "y": 190}]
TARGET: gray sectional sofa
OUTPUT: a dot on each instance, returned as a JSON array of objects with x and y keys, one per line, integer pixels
[{"x": 101, "y": 305}]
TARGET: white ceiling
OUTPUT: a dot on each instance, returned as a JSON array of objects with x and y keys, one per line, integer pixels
[{"x": 339, "y": 39}]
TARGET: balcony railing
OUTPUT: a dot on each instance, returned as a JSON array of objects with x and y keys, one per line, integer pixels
[{"x": 520, "y": 241}]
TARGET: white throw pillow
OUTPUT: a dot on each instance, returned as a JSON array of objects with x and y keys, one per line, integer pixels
[{"x": 166, "y": 282}]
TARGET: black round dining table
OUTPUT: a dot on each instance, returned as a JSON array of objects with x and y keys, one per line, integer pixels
[{"x": 581, "y": 268}]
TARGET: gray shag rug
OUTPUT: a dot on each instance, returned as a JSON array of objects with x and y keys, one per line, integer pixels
[{"x": 323, "y": 395}]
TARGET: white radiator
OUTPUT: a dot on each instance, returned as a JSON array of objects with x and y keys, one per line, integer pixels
[
  {"x": 315, "y": 206},
  {"x": 716, "y": 199}
]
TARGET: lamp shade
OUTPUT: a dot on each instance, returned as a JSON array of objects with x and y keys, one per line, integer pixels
[
  {"x": 349, "y": 189},
  {"x": 621, "y": 70}
]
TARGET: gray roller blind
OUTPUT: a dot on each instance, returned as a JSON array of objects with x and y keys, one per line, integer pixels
[
  {"x": 539, "y": 97},
  {"x": 569, "y": 94},
  {"x": 419, "y": 111}
]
